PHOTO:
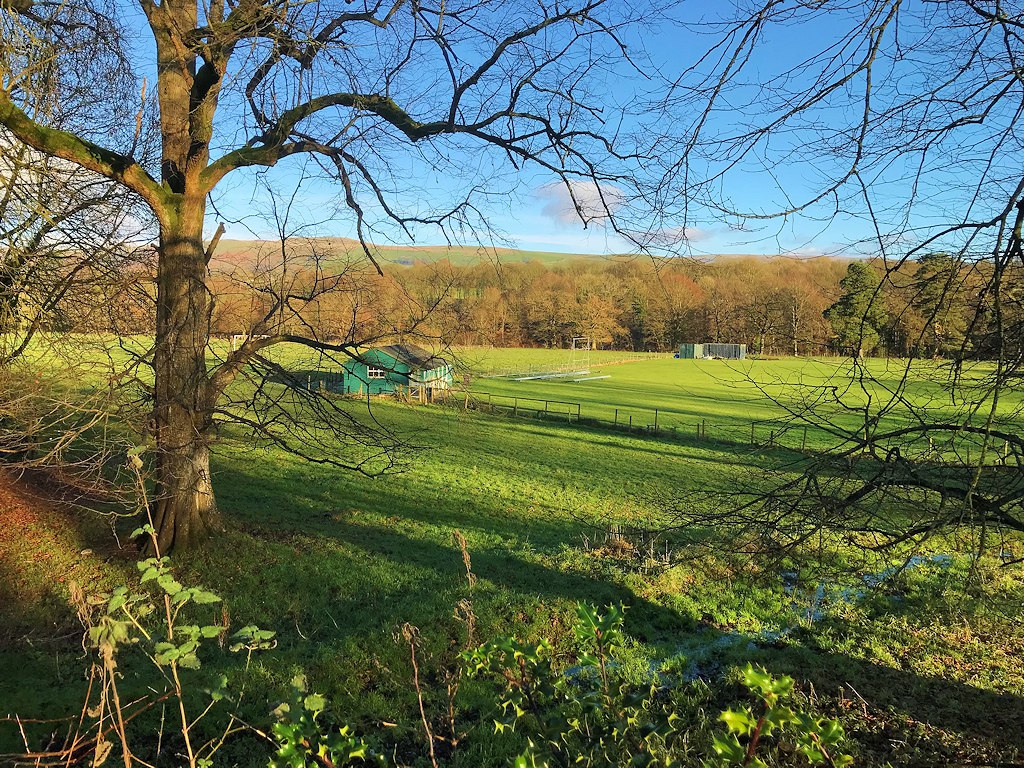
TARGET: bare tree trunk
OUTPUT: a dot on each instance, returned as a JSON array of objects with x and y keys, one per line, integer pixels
[
  {"x": 795, "y": 328},
  {"x": 186, "y": 512}
]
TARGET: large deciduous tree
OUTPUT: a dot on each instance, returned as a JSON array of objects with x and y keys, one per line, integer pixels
[{"x": 380, "y": 93}]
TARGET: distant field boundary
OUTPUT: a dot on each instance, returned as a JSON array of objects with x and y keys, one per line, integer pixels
[
  {"x": 659, "y": 423},
  {"x": 653, "y": 421},
  {"x": 508, "y": 372}
]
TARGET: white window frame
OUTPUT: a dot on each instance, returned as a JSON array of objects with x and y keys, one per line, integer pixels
[{"x": 373, "y": 372}]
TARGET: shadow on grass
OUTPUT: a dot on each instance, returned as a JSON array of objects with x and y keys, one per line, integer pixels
[
  {"x": 885, "y": 694},
  {"x": 590, "y": 432},
  {"x": 296, "y": 500},
  {"x": 365, "y": 579},
  {"x": 46, "y": 542},
  {"x": 516, "y": 589}
]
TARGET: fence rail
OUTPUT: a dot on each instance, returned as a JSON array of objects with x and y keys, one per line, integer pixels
[
  {"x": 763, "y": 433},
  {"x": 654, "y": 421}
]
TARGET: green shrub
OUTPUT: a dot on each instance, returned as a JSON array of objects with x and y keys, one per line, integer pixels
[{"x": 587, "y": 716}]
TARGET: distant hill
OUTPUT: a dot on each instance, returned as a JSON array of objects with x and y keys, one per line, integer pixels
[{"x": 247, "y": 252}]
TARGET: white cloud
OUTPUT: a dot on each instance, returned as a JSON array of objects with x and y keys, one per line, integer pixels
[
  {"x": 674, "y": 235},
  {"x": 586, "y": 201},
  {"x": 670, "y": 238},
  {"x": 806, "y": 252}
]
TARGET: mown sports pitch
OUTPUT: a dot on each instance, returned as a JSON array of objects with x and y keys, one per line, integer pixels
[{"x": 736, "y": 401}]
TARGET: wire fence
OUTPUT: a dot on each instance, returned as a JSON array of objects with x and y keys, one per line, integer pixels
[
  {"x": 761, "y": 433},
  {"x": 655, "y": 422}
]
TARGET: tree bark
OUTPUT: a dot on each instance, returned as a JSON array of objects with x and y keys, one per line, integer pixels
[
  {"x": 186, "y": 512},
  {"x": 795, "y": 328}
]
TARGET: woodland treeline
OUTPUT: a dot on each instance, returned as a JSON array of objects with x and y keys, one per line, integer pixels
[{"x": 934, "y": 306}]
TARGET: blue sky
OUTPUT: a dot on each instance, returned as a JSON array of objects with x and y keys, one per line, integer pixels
[
  {"x": 523, "y": 208},
  {"x": 531, "y": 212}
]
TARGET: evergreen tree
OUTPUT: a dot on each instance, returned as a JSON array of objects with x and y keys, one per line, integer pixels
[
  {"x": 942, "y": 303},
  {"x": 858, "y": 316}
]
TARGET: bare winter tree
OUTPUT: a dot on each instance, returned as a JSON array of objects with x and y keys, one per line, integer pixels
[
  {"x": 383, "y": 94},
  {"x": 69, "y": 260},
  {"x": 901, "y": 120},
  {"x": 330, "y": 302},
  {"x": 66, "y": 234}
]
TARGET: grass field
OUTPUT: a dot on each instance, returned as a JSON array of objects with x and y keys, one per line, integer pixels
[
  {"x": 729, "y": 398},
  {"x": 336, "y": 562}
]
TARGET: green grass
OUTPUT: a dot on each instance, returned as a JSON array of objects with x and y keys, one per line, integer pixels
[
  {"x": 336, "y": 562},
  {"x": 491, "y": 360},
  {"x": 727, "y": 398}
]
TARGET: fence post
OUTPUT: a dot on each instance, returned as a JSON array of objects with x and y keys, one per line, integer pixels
[
  {"x": 546, "y": 407},
  {"x": 803, "y": 443},
  {"x": 616, "y": 417},
  {"x": 631, "y": 422},
  {"x": 515, "y": 406},
  {"x": 655, "y": 421}
]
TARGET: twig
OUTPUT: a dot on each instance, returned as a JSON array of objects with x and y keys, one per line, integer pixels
[{"x": 409, "y": 632}]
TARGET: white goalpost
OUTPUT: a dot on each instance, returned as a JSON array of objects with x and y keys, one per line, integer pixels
[
  {"x": 579, "y": 354},
  {"x": 238, "y": 339},
  {"x": 578, "y": 368}
]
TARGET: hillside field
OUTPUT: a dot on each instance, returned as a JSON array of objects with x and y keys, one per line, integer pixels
[
  {"x": 249, "y": 252},
  {"x": 337, "y": 562}
]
